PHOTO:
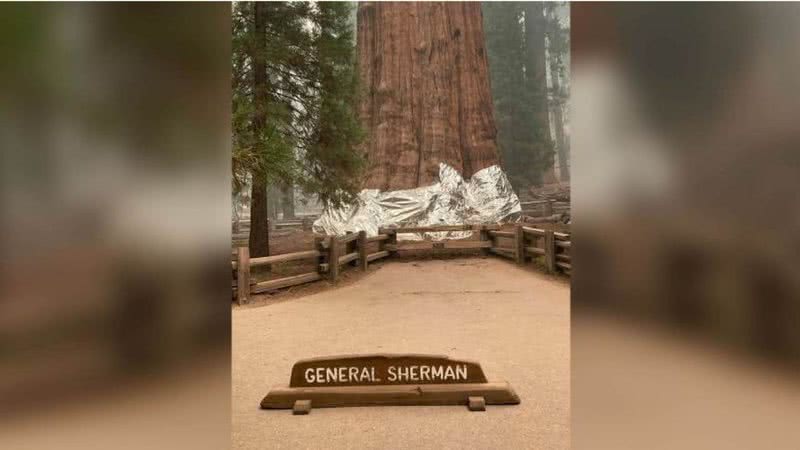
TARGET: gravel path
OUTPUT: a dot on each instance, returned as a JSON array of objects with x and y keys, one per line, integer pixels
[{"x": 514, "y": 321}]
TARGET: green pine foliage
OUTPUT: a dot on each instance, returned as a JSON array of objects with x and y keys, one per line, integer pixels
[
  {"x": 311, "y": 131},
  {"x": 333, "y": 166}
]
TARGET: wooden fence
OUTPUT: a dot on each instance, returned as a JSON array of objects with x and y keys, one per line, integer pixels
[
  {"x": 240, "y": 230},
  {"x": 543, "y": 208},
  {"x": 525, "y": 243},
  {"x": 332, "y": 254}
]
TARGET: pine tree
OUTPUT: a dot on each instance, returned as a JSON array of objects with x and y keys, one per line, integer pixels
[
  {"x": 332, "y": 165},
  {"x": 293, "y": 105}
]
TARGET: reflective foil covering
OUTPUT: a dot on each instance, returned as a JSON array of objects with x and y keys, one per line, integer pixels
[{"x": 487, "y": 197}]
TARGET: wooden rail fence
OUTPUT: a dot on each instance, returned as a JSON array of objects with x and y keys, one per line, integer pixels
[
  {"x": 332, "y": 253},
  {"x": 543, "y": 208}
]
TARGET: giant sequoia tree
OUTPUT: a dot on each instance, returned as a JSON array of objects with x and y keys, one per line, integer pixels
[{"x": 426, "y": 94}]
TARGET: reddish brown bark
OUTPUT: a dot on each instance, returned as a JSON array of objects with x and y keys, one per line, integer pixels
[{"x": 426, "y": 94}]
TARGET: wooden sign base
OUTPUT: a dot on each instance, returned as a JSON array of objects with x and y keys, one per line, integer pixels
[
  {"x": 300, "y": 397},
  {"x": 423, "y": 394}
]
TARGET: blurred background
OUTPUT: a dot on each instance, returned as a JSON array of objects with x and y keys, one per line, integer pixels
[
  {"x": 115, "y": 143},
  {"x": 685, "y": 179}
]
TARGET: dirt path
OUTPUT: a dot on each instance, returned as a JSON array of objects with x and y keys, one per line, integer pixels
[{"x": 512, "y": 320}]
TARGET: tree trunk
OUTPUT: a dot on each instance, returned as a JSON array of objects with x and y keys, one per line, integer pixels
[
  {"x": 426, "y": 96},
  {"x": 558, "y": 117},
  {"x": 504, "y": 43},
  {"x": 259, "y": 229},
  {"x": 562, "y": 145},
  {"x": 536, "y": 78}
]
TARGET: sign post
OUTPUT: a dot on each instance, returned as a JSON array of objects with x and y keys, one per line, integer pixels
[{"x": 384, "y": 379}]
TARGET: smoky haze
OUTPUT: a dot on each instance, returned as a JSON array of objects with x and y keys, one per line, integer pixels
[{"x": 529, "y": 63}]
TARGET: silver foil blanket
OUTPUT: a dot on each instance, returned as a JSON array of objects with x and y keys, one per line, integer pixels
[{"x": 487, "y": 197}]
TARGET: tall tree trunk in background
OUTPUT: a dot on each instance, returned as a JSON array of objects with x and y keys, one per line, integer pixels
[
  {"x": 426, "y": 95},
  {"x": 259, "y": 229},
  {"x": 536, "y": 77},
  {"x": 562, "y": 148},
  {"x": 504, "y": 44},
  {"x": 558, "y": 48}
]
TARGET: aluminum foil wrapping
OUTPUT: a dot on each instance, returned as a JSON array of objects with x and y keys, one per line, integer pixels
[{"x": 487, "y": 197}]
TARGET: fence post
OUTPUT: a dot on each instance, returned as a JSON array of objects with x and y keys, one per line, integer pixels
[
  {"x": 391, "y": 240},
  {"x": 548, "y": 208},
  {"x": 362, "y": 249},
  {"x": 322, "y": 253},
  {"x": 519, "y": 241},
  {"x": 333, "y": 259},
  {"x": 242, "y": 275},
  {"x": 485, "y": 238},
  {"x": 352, "y": 247},
  {"x": 550, "y": 251},
  {"x": 349, "y": 247}
]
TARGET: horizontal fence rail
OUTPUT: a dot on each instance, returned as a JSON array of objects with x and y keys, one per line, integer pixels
[
  {"x": 544, "y": 208},
  {"x": 528, "y": 243},
  {"x": 283, "y": 258},
  {"x": 331, "y": 254}
]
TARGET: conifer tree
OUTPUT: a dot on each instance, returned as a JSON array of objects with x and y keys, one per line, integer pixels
[
  {"x": 293, "y": 104},
  {"x": 427, "y": 98},
  {"x": 518, "y": 62},
  {"x": 332, "y": 164},
  {"x": 558, "y": 52},
  {"x": 505, "y": 45}
]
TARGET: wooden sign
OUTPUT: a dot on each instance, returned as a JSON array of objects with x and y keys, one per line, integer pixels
[
  {"x": 382, "y": 379},
  {"x": 383, "y": 370}
]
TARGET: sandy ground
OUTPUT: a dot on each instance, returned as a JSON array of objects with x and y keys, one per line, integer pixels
[
  {"x": 514, "y": 321},
  {"x": 640, "y": 386}
]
